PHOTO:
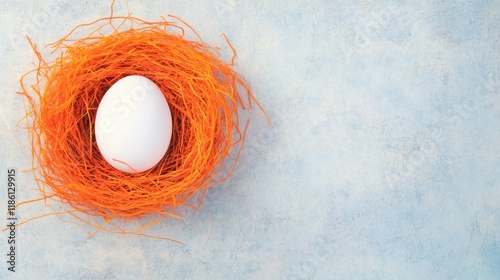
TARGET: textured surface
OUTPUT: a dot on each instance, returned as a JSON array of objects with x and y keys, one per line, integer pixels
[{"x": 383, "y": 162}]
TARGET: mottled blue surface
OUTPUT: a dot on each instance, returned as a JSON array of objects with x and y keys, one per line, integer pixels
[{"x": 383, "y": 161}]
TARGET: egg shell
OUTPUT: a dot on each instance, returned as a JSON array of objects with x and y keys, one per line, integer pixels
[{"x": 133, "y": 125}]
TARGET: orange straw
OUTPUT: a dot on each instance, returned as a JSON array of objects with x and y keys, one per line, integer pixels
[{"x": 202, "y": 92}]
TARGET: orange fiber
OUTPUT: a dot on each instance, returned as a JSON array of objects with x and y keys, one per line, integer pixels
[{"x": 205, "y": 95}]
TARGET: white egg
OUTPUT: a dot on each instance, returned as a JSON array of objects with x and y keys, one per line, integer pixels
[{"x": 133, "y": 125}]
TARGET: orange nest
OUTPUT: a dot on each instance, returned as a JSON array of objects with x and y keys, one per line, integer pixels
[{"x": 201, "y": 90}]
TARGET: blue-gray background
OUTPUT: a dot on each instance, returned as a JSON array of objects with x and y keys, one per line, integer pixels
[{"x": 383, "y": 161}]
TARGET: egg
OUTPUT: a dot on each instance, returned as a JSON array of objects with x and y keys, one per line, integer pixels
[{"x": 133, "y": 124}]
